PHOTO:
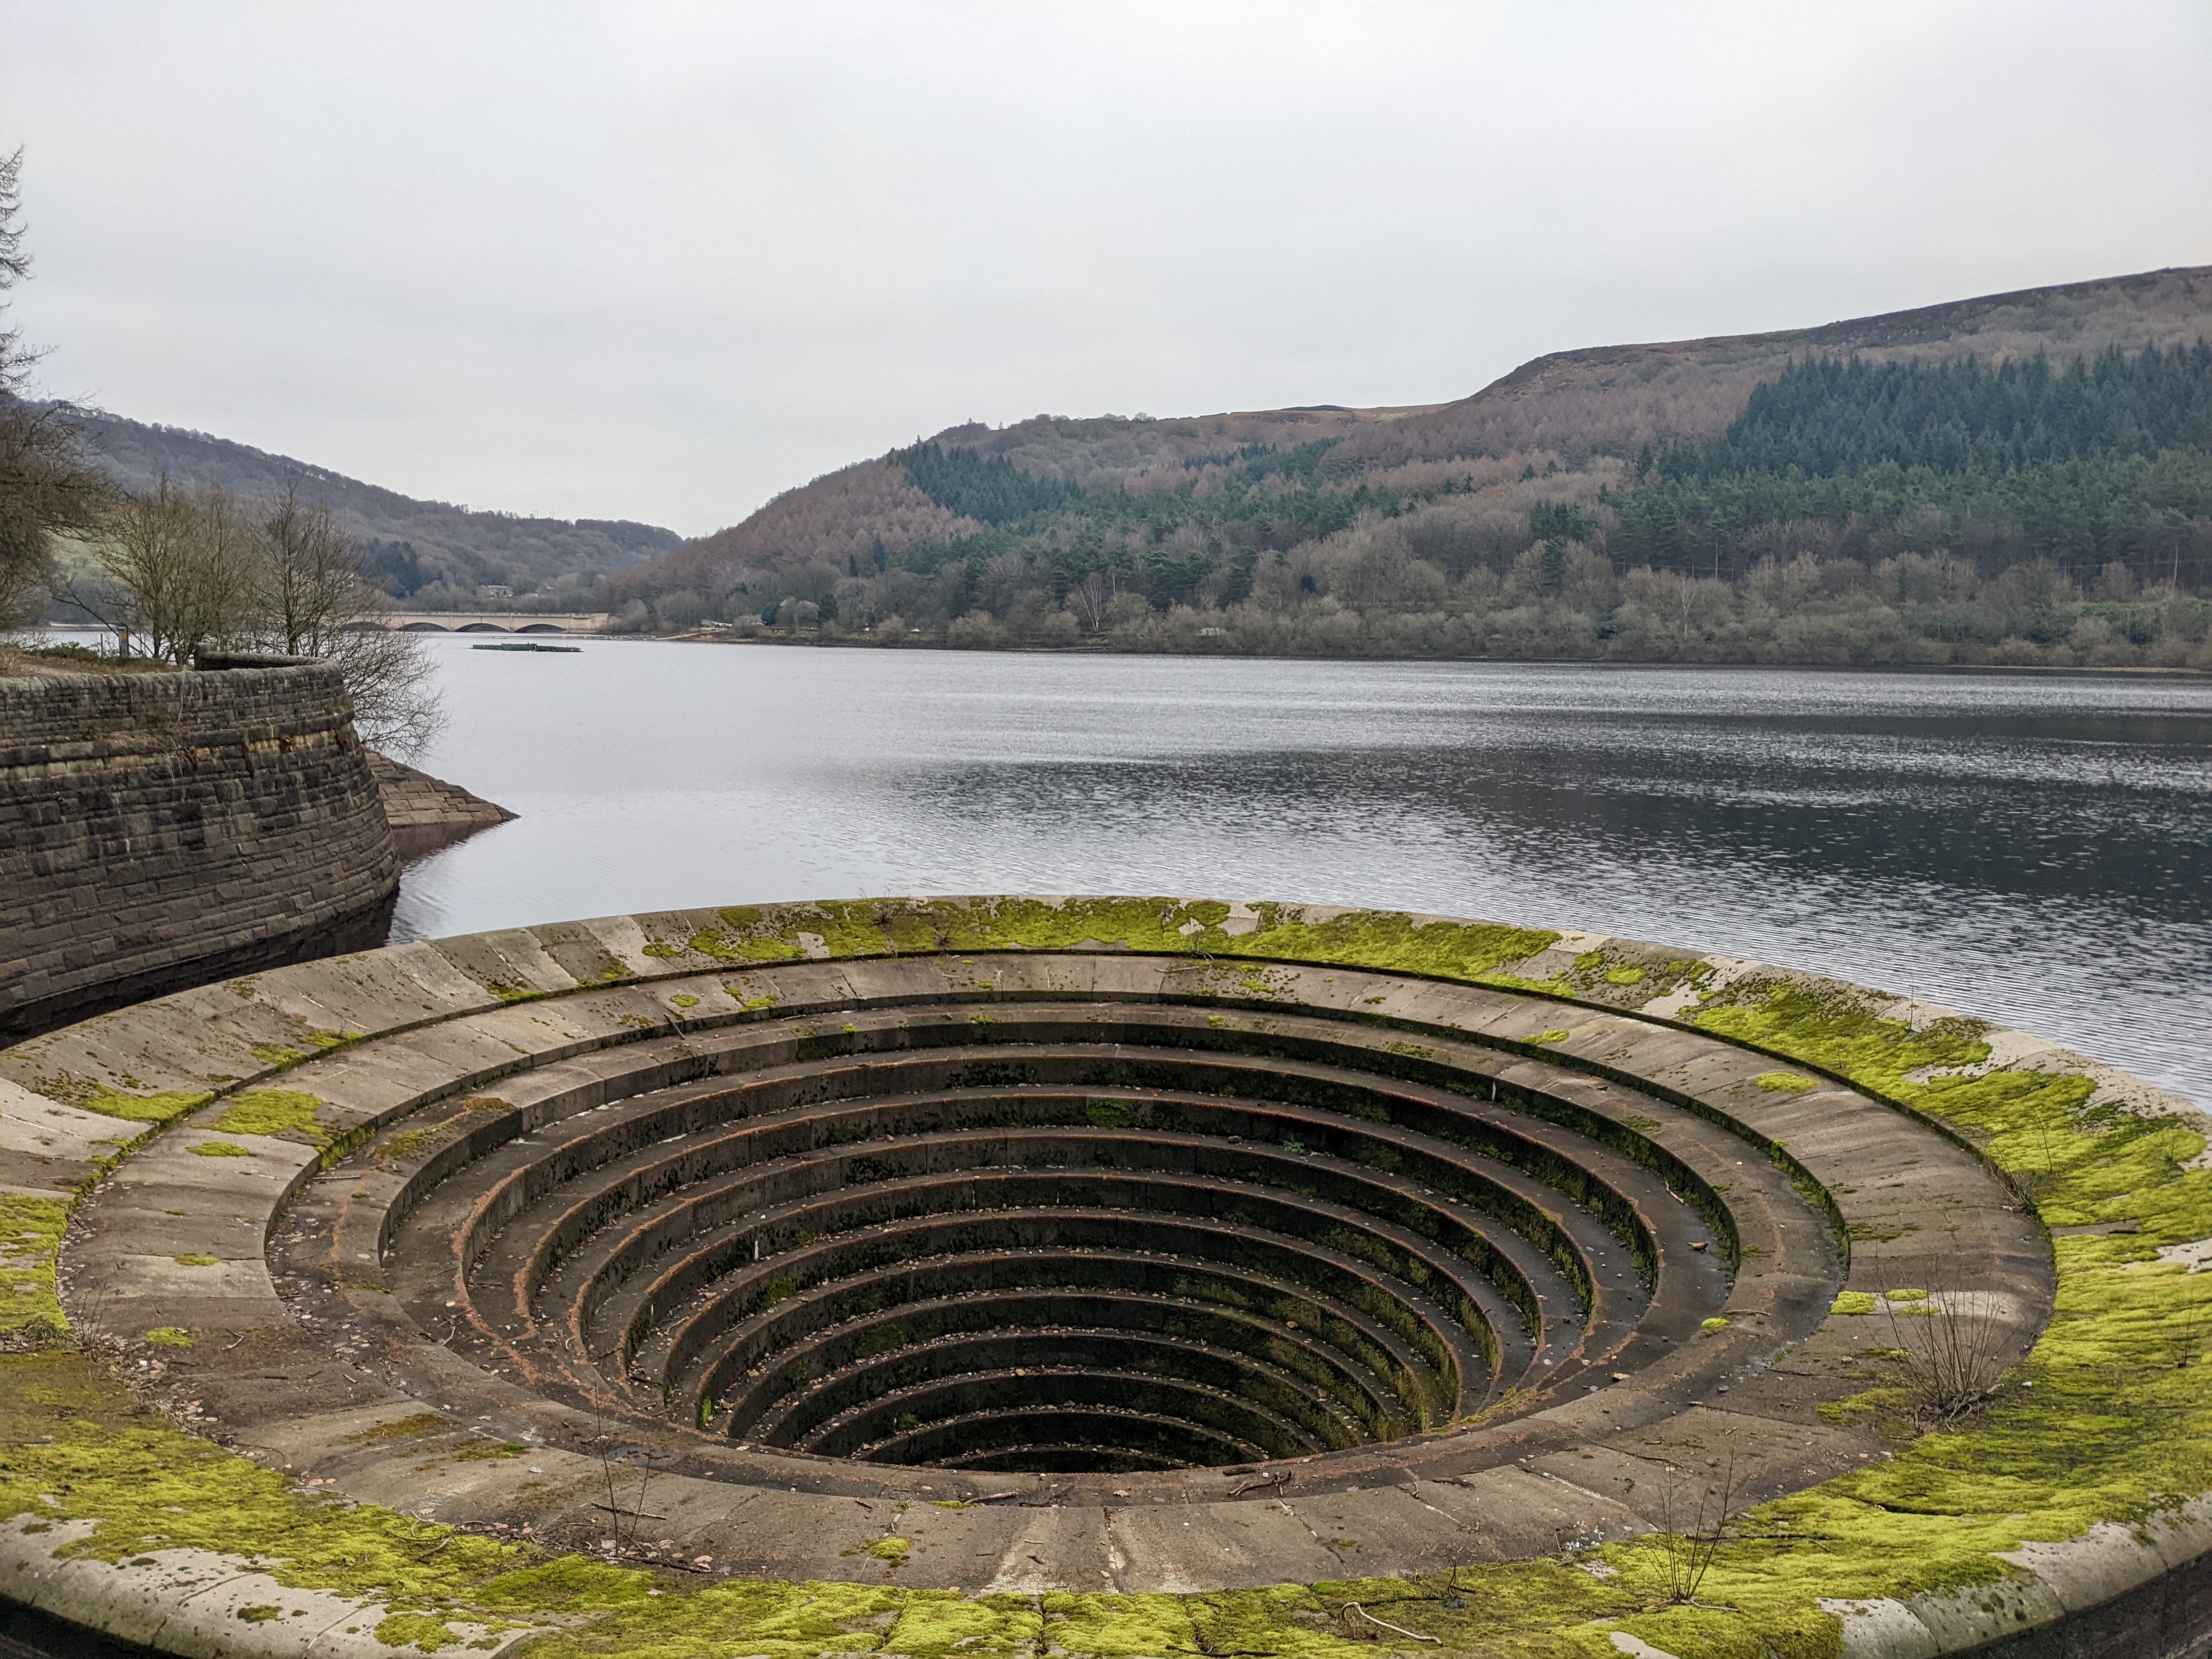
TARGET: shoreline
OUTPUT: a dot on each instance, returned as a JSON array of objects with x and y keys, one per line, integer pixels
[{"x": 847, "y": 643}]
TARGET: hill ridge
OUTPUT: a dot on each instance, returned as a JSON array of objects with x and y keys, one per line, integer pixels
[
  {"x": 1833, "y": 333},
  {"x": 1560, "y": 511},
  {"x": 1566, "y": 407},
  {"x": 428, "y": 552}
]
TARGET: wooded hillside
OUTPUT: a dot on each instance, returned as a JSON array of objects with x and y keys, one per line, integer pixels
[
  {"x": 428, "y": 555},
  {"x": 1802, "y": 495}
]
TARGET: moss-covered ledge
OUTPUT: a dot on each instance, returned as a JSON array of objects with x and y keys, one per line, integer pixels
[{"x": 2083, "y": 1485}]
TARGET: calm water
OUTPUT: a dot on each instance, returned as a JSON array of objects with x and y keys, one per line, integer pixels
[{"x": 2037, "y": 851}]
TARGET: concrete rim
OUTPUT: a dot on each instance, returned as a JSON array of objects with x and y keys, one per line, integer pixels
[{"x": 582, "y": 1011}]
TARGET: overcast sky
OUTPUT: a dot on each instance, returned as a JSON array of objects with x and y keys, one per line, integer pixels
[{"x": 660, "y": 262}]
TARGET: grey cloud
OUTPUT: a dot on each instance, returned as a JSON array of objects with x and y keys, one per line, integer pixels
[{"x": 662, "y": 262}]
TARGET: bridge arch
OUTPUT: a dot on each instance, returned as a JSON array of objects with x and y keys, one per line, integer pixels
[{"x": 495, "y": 622}]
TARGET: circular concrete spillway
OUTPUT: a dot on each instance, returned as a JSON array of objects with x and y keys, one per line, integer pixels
[
  {"x": 1014, "y": 1250},
  {"x": 1148, "y": 1227},
  {"x": 1086, "y": 1234}
]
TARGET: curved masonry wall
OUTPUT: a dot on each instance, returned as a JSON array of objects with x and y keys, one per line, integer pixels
[
  {"x": 161, "y": 830},
  {"x": 427, "y": 1289}
]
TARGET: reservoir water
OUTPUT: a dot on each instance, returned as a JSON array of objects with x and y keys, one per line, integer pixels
[{"x": 2035, "y": 850}]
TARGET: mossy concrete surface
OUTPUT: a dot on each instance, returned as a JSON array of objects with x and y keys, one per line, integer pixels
[{"x": 2078, "y": 1491}]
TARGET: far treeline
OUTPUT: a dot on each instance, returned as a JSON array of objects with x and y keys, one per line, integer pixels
[{"x": 2022, "y": 512}]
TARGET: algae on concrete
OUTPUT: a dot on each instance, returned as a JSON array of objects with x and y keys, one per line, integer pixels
[
  {"x": 272, "y": 1112},
  {"x": 2109, "y": 1420},
  {"x": 31, "y": 1231}
]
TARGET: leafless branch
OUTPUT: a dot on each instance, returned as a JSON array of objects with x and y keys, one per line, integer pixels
[
  {"x": 1354, "y": 1606},
  {"x": 1950, "y": 1346},
  {"x": 1689, "y": 1539}
]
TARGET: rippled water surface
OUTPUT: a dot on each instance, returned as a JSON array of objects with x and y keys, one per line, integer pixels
[{"x": 2035, "y": 850}]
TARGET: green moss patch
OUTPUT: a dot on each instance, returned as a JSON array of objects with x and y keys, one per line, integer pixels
[
  {"x": 30, "y": 1242},
  {"x": 479, "y": 1450},
  {"x": 404, "y": 1428},
  {"x": 2116, "y": 1423},
  {"x": 305, "y": 1045},
  {"x": 426, "y": 1633},
  {"x": 74, "y": 1446},
  {"x": 221, "y": 1148},
  {"x": 713, "y": 943},
  {"x": 273, "y": 1112},
  {"x": 1385, "y": 940},
  {"x": 164, "y": 1108},
  {"x": 803, "y": 1621},
  {"x": 1785, "y": 1082}
]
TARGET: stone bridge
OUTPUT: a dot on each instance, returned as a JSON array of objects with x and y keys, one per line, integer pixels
[{"x": 498, "y": 622}]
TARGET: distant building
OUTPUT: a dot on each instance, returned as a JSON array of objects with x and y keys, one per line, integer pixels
[{"x": 495, "y": 591}]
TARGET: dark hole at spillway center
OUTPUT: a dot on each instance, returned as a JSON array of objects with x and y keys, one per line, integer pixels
[{"x": 1076, "y": 1236}]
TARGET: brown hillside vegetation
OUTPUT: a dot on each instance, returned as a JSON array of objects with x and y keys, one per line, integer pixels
[
  {"x": 838, "y": 517},
  {"x": 1614, "y": 399},
  {"x": 1568, "y": 406},
  {"x": 2022, "y": 477}
]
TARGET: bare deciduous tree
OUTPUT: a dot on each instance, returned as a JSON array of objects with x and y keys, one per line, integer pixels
[
  {"x": 1089, "y": 602},
  {"x": 396, "y": 709},
  {"x": 14, "y": 265},
  {"x": 312, "y": 599},
  {"x": 188, "y": 571},
  {"x": 175, "y": 569},
  {"x": 307, "y": 581}
]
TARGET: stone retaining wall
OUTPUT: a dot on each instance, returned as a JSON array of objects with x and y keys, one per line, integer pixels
[
  {"x": 160, "y": 830},
  {"x": 427, "y": 813}
]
